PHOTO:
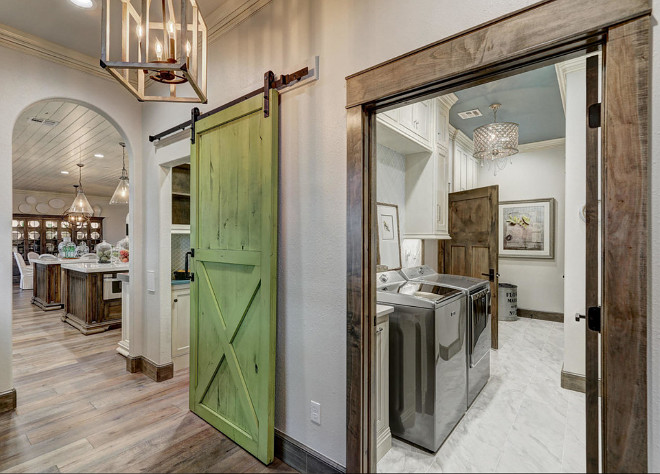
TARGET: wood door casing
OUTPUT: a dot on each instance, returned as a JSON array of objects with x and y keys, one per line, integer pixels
[
  {"x": 472, "y": 250},
  {"x": 234, "y": 173},
  {"x": 522, "y": 40}
]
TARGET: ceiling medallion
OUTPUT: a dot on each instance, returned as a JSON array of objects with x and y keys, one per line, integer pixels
[
  {"x": 165, "y": 44},
  {"x": 496, "y": 141}
]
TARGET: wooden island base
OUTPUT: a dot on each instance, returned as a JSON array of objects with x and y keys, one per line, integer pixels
[
  {"x": 84, "y": 306},
  {"x": 46, "y": 286}
]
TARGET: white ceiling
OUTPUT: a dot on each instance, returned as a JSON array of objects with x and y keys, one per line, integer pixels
[
  {"x": 61, "y": 22},
  {"x": 41, "y": 152}
]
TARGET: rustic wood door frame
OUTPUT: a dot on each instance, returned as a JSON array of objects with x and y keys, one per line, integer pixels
[{"x": 540, "y": 33}]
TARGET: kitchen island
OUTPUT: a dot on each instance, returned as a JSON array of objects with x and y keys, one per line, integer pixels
[
  {"x": 47, "y": 283},
  {"x": 92, "y": 301}
]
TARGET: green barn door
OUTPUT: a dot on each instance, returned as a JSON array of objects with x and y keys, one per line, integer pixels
[{"x": 234, "y": 172}]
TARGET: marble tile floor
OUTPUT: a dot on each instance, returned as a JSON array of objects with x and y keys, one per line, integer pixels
[{"x": 523, "y": 421}]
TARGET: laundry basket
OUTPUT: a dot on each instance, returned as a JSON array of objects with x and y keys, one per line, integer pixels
[{"x": 507, "y": 305}]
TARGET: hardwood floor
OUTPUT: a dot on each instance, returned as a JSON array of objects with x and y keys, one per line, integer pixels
[{"x": 80, "y": 411}]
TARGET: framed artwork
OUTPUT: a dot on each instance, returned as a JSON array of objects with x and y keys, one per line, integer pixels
[
  {"x": 389, "y": 242},
  {"x": 527, "y": 228}
]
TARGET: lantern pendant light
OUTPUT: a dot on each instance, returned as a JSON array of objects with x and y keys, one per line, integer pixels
[
  {"x": 496, "y": 141},
  {"x": 164, "y": 44},
  {"x": 80, "y": 208},
  {"x": 120, "y": 195}
]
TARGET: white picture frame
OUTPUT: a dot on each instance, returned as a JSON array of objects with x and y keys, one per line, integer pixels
[
  {"x": 527, "y": 229},
  {"x": 389, "y": 240}
]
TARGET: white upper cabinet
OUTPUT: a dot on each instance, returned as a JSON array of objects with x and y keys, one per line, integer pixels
[
  {"x": 421, "y": 132},
  {"x": 407, "y": 129},
  {"x": 465, "y": 166}
]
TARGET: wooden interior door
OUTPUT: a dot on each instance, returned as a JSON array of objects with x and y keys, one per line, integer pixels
[
  {"x": 472, "y": 250},
  {"x": 234, "y": 181}
]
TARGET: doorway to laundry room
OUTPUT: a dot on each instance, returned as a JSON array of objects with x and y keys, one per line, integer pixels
[{"x": 480, "y": 276}]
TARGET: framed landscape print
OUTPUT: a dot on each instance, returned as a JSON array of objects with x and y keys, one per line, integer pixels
[
  {"x": 527, "y": 228},
  {"x": 389, "y": 243}
]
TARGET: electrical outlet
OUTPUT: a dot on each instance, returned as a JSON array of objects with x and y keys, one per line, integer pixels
[{"x": 315, "y": 412}]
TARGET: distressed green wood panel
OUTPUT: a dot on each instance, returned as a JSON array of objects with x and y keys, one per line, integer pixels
[{"x": 234, "y": 173}]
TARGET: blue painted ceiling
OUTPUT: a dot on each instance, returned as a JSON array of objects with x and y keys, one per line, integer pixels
[{"x": 531, "y": 99}]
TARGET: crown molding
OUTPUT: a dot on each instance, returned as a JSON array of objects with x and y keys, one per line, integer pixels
[
  {"x": 39, "y": 47},
  {"x": 527, "y": 147},
  {"x": 572, "y": 65},
  {"x": 448, "y": 100},
  {"x": 461, "y": 139},
  {"x": 231, "y": 14}
]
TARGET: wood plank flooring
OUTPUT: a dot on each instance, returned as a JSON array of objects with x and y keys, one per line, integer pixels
[{"x": 80, "y": 411}]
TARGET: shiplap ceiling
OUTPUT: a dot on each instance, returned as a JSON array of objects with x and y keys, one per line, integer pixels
[{"x": 41, "y": 152}]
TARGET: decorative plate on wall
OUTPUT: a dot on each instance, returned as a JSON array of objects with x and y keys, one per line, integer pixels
[
  {"x": 56, "y": 203},
  {"x": 43, "y": 208},
  {"x": 31, "y": 200},
  {"x": 25, "y": 207}
]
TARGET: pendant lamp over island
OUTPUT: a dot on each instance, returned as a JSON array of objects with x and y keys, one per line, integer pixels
[
  {"x": 120, "y": 195},
  {"x": 161, "y": 42},
  {"x": 80, "y": 209}
]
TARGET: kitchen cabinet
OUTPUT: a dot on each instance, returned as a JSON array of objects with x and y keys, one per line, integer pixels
[
  {"x": 180, "y": 324},
  {"x": 92, "y": 296},
  {"x": 43, "y": 233},
  {"x": 383, "y": 433},
  {"x": 181, "y": 195}
]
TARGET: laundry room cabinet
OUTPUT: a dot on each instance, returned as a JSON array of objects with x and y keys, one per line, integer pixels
[
  {"x": 465, "y": 168},
  {"x": 408, "y": 129},
  {"x": 383, "y": 433},
  {"x": 422, "y": 134}
]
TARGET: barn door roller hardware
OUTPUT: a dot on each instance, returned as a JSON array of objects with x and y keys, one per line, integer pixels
[{"x": 270, "y": 82}]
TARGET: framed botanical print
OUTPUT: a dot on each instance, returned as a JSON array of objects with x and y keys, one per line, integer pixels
[
  {"x": 389, "y": 242},
  {"x": 527, "y": 228}
]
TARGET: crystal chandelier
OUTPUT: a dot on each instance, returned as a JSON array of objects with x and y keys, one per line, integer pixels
[
  {"x": 496, "y": 141},
  {"x": 164, "y": 44},
  {"x": 120, "y": 195}
]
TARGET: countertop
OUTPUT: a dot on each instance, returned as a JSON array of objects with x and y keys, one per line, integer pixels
[
  {"x": 382, "y": 313},
  {"x": 96, "y": 267},
  {"x": 59, "y": 261}
]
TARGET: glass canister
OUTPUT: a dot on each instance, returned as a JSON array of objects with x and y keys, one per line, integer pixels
[
  {"x": 70, "y": 250},
  {"x": 122, "y": 246},
  {"x": 104, "y": 252},
  {"x": 61, "y": 248}
]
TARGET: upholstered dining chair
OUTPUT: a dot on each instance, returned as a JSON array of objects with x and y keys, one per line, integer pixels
[{"x": 26, "y": 272}]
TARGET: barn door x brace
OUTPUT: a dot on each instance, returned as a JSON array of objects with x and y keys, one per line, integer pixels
[{"x": 269, "y": 83}]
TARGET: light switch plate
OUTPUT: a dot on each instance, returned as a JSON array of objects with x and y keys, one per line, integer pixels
[
  {"x": 151, "y": 281},
  {"x": 315, "y": 412}
]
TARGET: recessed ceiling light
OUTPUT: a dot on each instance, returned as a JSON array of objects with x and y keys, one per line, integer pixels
[
  {"x": 64, "y": 172},
  {"x": 98, "y": 155},
  {"x": 83, "y": 3}
]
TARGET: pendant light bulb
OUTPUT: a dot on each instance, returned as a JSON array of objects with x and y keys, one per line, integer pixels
[{"x": 121, "y": 194}]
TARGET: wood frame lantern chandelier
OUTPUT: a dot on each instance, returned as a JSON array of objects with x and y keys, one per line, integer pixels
[{"x": 163, "y": 49}]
